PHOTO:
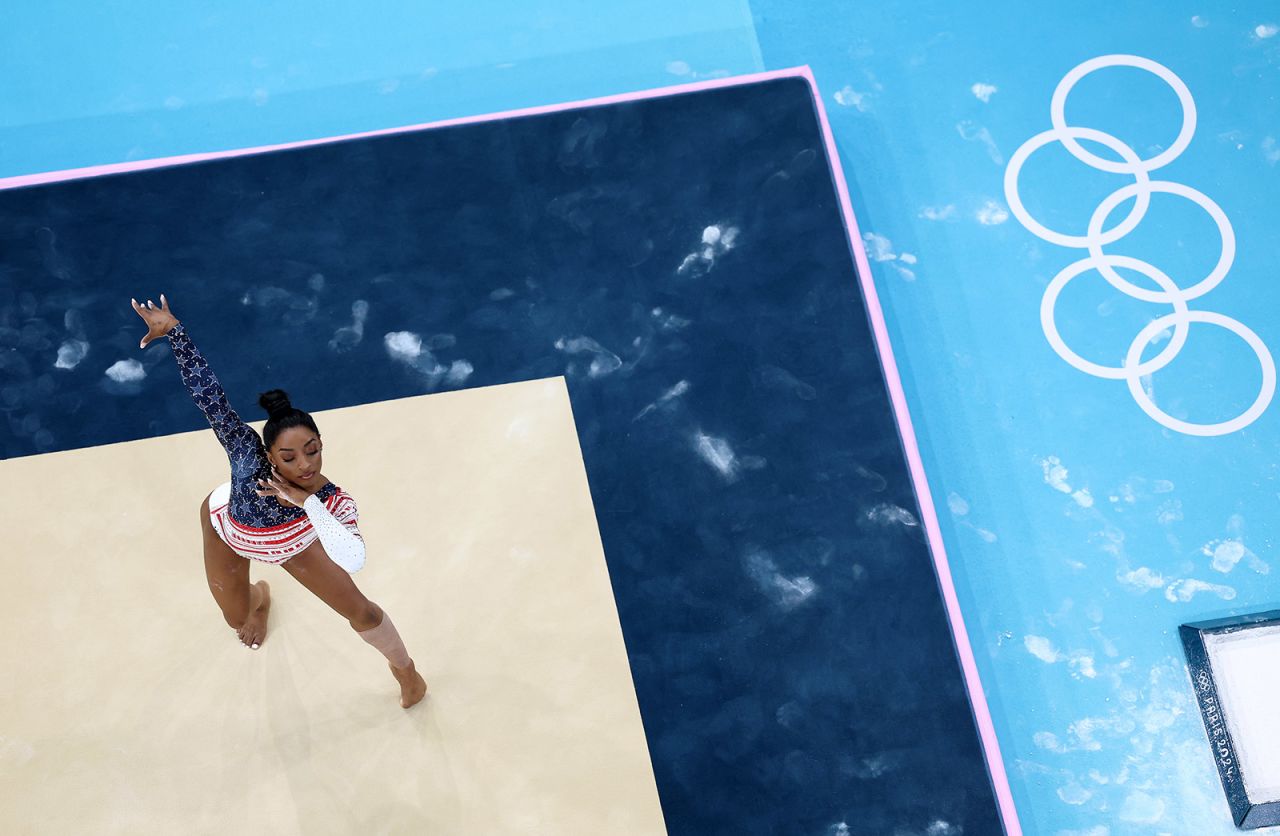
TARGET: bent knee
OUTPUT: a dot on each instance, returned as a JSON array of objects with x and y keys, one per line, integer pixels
[{"x": 370, "y": 616}]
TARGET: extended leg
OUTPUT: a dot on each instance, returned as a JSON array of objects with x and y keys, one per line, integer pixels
[
  {"x": 243, "y": 606},
  {"x": 331, "y": 584}
]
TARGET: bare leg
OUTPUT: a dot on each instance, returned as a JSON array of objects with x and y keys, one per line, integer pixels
[
  {"x": 243, "y": 606},
  {"x": 331, "y": 584}
]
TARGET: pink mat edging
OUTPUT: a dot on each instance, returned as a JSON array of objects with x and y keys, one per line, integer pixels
[
  {"x": 928, "y": 513},
  {"x": 141, "y": 165}
]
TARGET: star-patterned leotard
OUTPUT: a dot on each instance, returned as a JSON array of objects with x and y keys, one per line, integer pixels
[{"x": 255, "y": 526}]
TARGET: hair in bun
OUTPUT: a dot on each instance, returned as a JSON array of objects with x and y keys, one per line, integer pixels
[
  {"x": 281, "y": 415},
  {"x": 276, "y": 403}
]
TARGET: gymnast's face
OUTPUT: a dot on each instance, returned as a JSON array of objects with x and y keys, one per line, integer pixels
[{"x": 296, "y": 456}]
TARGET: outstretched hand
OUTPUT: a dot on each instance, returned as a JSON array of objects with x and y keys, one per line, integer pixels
[
  {"x": 275, "y": 486},
  {"x": 160, "y": 320}
]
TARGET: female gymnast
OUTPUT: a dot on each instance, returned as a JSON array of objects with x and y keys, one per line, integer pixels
[{"x": 277, "y": 508}]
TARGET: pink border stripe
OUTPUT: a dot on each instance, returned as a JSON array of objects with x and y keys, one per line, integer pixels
[
  {"x": 969, "y": 668},
  {"x": 161, "y": 162}
]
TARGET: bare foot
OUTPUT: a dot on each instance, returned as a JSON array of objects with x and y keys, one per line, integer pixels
[
  {"x": 254, "y": 631},
  {"x": 412, "y": 686}
]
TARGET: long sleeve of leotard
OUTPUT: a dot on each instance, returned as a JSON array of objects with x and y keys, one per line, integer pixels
[
  {"x": 237, "y": 437},
  {"x": 338, "y": 533}
]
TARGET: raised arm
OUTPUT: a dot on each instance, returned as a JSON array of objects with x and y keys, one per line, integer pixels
[{"x": 206, "y": 391}]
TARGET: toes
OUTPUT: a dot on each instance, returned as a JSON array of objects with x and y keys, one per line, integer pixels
[{"x": 250, "y": 637}]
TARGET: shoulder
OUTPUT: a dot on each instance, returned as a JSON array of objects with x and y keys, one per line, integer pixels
[{"x": 337, "y": 500}]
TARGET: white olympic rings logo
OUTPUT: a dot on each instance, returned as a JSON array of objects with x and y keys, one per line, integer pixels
[{"x": 1098, "y": 236}]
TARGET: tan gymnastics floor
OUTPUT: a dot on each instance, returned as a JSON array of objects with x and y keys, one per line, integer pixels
[{"x": 128, "y": 705}]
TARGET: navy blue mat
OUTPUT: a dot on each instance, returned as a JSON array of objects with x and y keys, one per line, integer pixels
[{"x": 683, "y": 262}]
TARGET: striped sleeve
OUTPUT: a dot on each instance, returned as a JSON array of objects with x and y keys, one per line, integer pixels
[
  {"x": 340, "y": 538},
  {"x": 343, "y": 507}
]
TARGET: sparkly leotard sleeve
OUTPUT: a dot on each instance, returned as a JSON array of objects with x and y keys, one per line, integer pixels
[
  {"x": 334, "y": 521},
  {"x": 242, "y": 444}
]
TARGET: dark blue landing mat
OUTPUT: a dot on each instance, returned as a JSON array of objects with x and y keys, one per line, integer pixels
[{"x": 787, "y": 638}]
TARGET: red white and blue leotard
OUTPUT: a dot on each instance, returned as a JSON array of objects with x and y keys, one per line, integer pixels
[{"x": 254, "y": 526}]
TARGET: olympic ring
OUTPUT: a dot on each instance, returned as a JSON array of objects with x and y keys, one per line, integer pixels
[
  {"x": 1242, "y": 420},
  {"x": 1205, "y": 285},
  {"x": 1060, "y": 347},
  {"x": 1061, "y": 239},
  {"x": 1096, "y": 237},
  {"x": 1058, "y": 105}
]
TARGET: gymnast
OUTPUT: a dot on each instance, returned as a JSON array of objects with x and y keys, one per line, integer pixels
[{"x": 277, "y": 508}]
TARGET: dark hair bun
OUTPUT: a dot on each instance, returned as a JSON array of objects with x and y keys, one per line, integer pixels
[{"x": 276, "y": 403}]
